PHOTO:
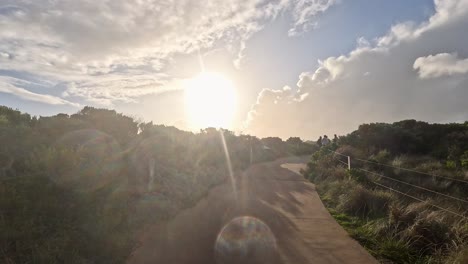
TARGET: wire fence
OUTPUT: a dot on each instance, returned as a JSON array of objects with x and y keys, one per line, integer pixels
[
  {"x": 415, "y": 186},
  {"x": 407, "y": 184},
  {"x": 411, "y": 170},
  {"x": 420, "y": 200},
  {"x": 399, "y": 168},
  {"x": 342, "y": 162}
]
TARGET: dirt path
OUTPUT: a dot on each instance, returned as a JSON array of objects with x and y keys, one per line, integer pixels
[{"x": 274, "y": 217}]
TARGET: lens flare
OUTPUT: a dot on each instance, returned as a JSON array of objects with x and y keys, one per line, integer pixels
[
  {"x": 246, "y": 240},
  {"x": 229, "y": 164}
]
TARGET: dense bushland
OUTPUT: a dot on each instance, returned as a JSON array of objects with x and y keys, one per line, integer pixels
[
  {"x": 79, "y": 188},
  {"x": 393, "y": 227}
]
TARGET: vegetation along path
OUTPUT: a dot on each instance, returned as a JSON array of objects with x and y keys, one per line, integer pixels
[{"x": 274, "y": 216}]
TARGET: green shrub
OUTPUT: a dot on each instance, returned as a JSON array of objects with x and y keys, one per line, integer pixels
[
  {"x": 335, "y": 189},
  {"x": 464, "y": 160},
  {"x": 428, "y": 234},
  {"x": 402, "y": 216},
  {"x": 359, "y": 176},
  {"x": 382, "y": 156},
  {"x": 450, "y": 164},
  {"x": 396, "y": 250},
  {"x": 350, "y": 151},
  {"x": 400, "y": 161},
  {"x": 395, "y": 228},
  {"x": 80, "y": 188},
  {"x": 363, "y": 202}
]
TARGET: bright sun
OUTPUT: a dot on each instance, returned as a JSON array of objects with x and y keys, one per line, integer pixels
[{"x": 210, "y": 100}]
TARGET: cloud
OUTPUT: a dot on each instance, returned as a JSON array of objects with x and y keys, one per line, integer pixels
[
  {"x": 112, "y": 88},
  {"x": 385, "y": 80},
  {"x": 10, "y": 85},
  {"x": 442, "y": 64},
  {"x": 271, "y": 105},
  {"x": 78, "y": 41},
  {"x": 303, "y": 13}
]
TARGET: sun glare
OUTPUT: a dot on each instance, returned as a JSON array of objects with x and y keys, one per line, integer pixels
[{"x": 210, "y": 100}]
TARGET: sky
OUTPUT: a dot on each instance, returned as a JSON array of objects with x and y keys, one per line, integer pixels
[{"x": 299, "y": 67}]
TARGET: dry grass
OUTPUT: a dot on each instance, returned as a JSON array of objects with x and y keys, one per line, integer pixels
[{"x": 393, "y": 228}]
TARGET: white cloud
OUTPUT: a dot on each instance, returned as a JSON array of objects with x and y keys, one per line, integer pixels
[
  {"x": 304, "y": 11},
  {"x": 111, "y": 88},
  {"x": 377, "y": 82},
  {"x": 442, "y": 64},
  {"x": 10, "y": 85},
  {"x": 74, "y": 41}
]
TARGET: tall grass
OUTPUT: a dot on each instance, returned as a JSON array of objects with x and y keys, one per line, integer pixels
[{"x": 394, "y": 228}]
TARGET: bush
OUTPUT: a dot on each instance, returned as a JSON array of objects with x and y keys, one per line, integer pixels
[
  {"x": 382, "y": 156},
  {"x": 464, "y": 160},
  {"x": 396, "y": 250},
  {"x": 359, "y": 176},
  {"x": 350, "y": 151},
  {"x": 396, "y": 228},
  {"x": 79, "y": 188},
  {"x": 336, "y": 189},
  {"x": 399, "y": 161},
  {"x": 363, "y": 202},
  {"x": 403, "y": 216},
  {"x": 429, "y": 234},
  {"x": 450, "y": 164},
  {"x": 44, "y": 223}
]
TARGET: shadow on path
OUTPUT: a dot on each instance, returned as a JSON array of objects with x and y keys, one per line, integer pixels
[{"x": 265, "y": 224}]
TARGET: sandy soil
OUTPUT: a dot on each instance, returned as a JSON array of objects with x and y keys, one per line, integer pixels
[{"x": 274, "y": 216}]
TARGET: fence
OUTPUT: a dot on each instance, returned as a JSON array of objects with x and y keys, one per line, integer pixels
[{"x": 411, "y": 185}]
